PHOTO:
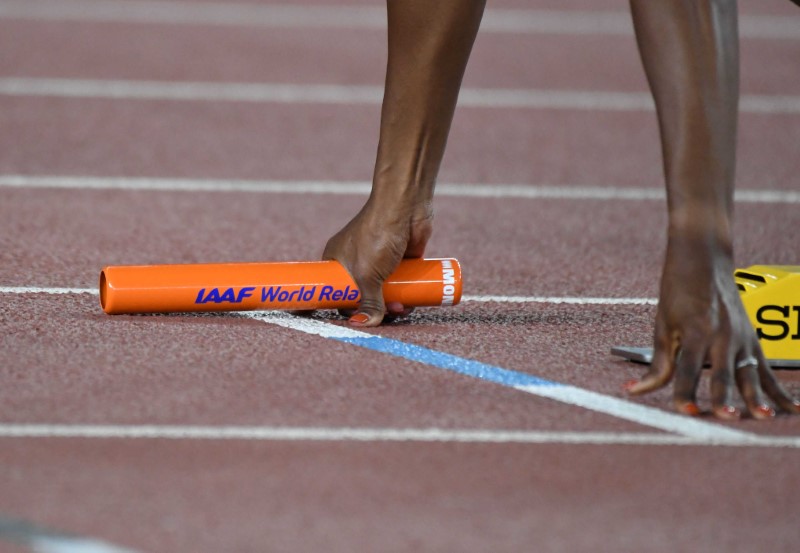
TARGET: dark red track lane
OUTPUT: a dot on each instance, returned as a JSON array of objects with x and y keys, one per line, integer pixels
[
  {"x": 166, "y": 496},
  {"x": 273, "y": 141},
  {"x": 342, "y": 56}
]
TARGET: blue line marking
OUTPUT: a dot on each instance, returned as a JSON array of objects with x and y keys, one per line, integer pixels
[{"x": 447, "y": 361}]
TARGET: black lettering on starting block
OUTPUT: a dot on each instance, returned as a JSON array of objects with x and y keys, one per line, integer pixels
[{"x": 777, "y": 316}]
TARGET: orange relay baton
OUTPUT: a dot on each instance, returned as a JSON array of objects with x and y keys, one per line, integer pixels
[{"x": 288, "y": 285}]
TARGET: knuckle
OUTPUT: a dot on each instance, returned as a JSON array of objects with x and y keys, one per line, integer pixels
[{"x": 371, "y": 305}]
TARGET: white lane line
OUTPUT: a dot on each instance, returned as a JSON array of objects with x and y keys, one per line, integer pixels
[
  {"x": 69, "y": 544},
  {"x": 43, "y": 290},
  {"x": 194, "y": 91},
  {"x": 520, "y": 191},
  {"x": 493, "y": 98},
  {"x": 560, "y": 300},
  {"x": 522, "y": 21},
  {"x": 197, "y": 13},
  {"x": 630, "y": 411},
  {"x": 185, "y": 185},
  {"x": 339, "y": 434},
  {"x": 46, "y": 540},
  {"x": 557, "y": 300}
]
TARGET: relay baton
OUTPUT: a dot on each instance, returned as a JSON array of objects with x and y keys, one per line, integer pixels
[{"x": 250, "y": 286}]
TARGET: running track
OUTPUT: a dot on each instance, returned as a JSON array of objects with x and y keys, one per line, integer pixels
[{"x": 187, "y": 131}]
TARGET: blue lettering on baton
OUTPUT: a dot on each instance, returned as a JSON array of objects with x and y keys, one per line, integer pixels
[
  {"x": 228, "y": 295},
  {"x": 329, "y": 293},
  {"x": 270, "y": 294},
  {"x": 308, "y": 295},
  {"x": 245, "y": 293},
  {"x": 278, "y": 294}
]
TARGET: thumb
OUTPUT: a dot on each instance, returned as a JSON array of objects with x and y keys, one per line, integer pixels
[{"x": 371, "y": 307}]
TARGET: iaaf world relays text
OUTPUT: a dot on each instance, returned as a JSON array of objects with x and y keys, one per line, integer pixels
[
  {"x": 317, "y": 293},
  {"x": 278, "y": 294}
]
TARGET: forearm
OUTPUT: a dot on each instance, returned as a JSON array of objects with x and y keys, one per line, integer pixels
[
  {"x": 690, "y": 53},
  {"x": 429, "y": 45}
]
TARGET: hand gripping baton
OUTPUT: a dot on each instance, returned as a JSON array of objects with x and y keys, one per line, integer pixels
[{"x": 289, "y": 285}]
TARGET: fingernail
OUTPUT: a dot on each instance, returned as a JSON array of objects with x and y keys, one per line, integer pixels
[
  {"x": 358, "y": 319},
  {"x": 729, "y": 411},
  {"x": 764, "y": 412},
  {"x": 629, "y": 385},
  {"x": 690, "y": 409}
]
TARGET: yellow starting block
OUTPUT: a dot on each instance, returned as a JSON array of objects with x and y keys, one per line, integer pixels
[{"x": 771, "y": 297}]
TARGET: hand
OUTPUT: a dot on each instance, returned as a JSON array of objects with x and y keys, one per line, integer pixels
[
  {"x": 370, "y": 247},
  {"x": 701, "y": 319}
]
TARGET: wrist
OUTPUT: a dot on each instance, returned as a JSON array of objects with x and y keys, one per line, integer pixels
[
  {"x": 701, "y": 227},
  {"x": 401, "y": 200}
]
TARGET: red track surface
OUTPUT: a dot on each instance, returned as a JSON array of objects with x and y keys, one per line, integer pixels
[{"x": 62, "y": 361}]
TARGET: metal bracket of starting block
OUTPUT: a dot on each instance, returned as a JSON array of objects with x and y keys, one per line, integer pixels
[{"x": 645, "y": 356}]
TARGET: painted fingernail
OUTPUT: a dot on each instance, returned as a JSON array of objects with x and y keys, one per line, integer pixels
[
  {"x": 764, "y": 412},
  {"x": 629, "y": 385},
  {"x": 729, "y": 411},
  {"x": 358, "y": 319},
  {"x": 690, "y": 409}
]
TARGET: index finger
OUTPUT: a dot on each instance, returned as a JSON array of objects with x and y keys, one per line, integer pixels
[{"x": 660, "y": 372}]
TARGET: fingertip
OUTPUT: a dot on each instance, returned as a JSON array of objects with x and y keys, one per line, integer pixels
[
  {"x": 646, "y": 384},
  {"x": 688, "y": 408},
  {"x": 630, "y": 385},
  {"x": 362, "y": 319},
  {"x": 763, "y": 412},
  {"x": 395, "y": 308},
  {"x": 659, "y": 374},
  {"x": 774, "y": 390},
  {"x": 358, "y": 319},
  {"x": 788, "y": 404},
  {"x": 636, "y": 387},
  {"x": 727, "y": 412}
]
